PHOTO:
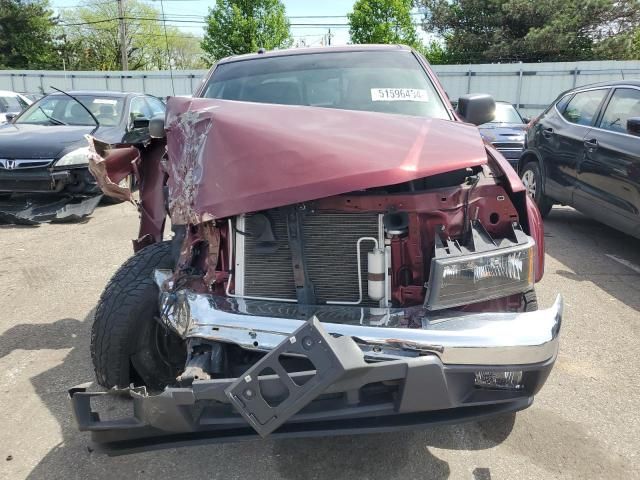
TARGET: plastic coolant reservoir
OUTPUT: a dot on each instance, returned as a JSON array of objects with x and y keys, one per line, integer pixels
[{"x": 375, "y": 284}]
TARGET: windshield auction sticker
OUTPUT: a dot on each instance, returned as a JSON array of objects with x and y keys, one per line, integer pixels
[{"x": 398, "y": 94}]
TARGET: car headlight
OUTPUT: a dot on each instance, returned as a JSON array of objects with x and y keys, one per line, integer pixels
[
  {"x": 460, "y": 280},
  {"x": 80, "y": 156}
]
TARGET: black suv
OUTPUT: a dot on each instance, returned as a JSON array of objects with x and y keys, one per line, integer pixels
[{"x": 584, "y": 151}]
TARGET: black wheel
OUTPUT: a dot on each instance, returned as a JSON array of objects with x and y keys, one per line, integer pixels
[
  {"x": 533, "y": 181},
  {"x": 529, "y": 301},
  {"x": 128, "y": 344}
]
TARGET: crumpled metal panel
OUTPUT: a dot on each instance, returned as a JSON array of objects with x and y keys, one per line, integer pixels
[
  {"x": 36, "y": 210},
  {"x": 229, "y": 157},
  {"x": 110, "y": 164},
  {"x": 109, "y": 173}
]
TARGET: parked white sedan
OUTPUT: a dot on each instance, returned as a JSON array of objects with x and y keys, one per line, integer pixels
[{"x": 12, "y": 103}]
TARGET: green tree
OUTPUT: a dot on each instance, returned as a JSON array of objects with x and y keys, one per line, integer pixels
[
  {"x": 620, "y": 34},
  {"x": 383, "y": 21},
  {"x": 478, "y": 31},
  {"x": 435, "y": 52},
  {"x": 90, "y": 39},
  {"x": 244, "y": 26},
  {"x": 185, "y": 51},
  {"x": 26, "y": 34}
]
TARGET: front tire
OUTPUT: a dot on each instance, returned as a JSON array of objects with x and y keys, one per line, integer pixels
[
  {"x": 128, "y": 344},
  {"x": 533, "y": 180}
]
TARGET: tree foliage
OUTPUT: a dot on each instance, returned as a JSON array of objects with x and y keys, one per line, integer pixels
[
  {"x": 435, "y": 52},
  {"x": 382, "y": 21},
  {"x": 477, "y": 31},
  {"x": 26, "y": 34},
  {"x": 91, "y": 41},
  {"x": 620, "y": 35},
  {"x": 244, "y": 26}
]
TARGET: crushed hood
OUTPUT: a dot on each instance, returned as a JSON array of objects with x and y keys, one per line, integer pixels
[{"x": 228, "y": 157}]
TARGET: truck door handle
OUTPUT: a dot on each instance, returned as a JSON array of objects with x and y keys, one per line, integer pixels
[
  {"x": 547, "y": 132},
  {"x": 591, "y": 144}
]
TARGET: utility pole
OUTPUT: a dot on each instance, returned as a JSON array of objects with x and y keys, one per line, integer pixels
[
  {"x": 329, "y": 37},
  {"x": 123, "y": 36}
]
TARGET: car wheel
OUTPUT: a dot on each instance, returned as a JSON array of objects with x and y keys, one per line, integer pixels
[
  {"x": 532, "y": 179},
  {"x": 126, "y": 182},
  {"x": 128, "y": 343}
]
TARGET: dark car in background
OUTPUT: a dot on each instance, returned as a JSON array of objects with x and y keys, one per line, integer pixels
[
  {"x": 584, "y": 151},
  {"x": 44, "y": 148},
  {"x": 506, "y": 132}
]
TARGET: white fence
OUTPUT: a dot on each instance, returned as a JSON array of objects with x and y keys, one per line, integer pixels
[{"x": 530, "y": 86}]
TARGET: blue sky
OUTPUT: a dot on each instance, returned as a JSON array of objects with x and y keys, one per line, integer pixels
[{"x": 196, "y": 10}]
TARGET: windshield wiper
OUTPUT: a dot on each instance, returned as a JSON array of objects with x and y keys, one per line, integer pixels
[
  {"x": 83, "y": 105},
  {"x": 55, "y": 121}
]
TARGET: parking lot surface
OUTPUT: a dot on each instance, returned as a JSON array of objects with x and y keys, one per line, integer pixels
[{"x": 583, "y": 424}]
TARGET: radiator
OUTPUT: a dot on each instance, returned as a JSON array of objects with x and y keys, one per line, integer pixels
[{"x": 329, "y": 250}]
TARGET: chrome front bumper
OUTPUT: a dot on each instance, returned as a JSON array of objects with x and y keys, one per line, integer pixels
[
  {"x": 385, "y": 333},
  {"x": 426, "y": 372}
]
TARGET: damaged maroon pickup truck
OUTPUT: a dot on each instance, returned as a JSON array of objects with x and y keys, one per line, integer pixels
[{"x": 347, "y": 256}]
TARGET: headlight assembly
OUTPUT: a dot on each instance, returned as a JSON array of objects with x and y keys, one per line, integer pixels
[
  {"x": 459, "y": 277},
  {"x": 80, "y": 156}
]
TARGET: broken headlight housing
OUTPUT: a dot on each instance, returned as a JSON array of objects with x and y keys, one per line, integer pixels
[{"x": 484, "y": 269}]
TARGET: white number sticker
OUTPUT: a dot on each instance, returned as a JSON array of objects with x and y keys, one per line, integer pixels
[
  {"x": 398, "y": 94},
  {"x": 105, "y": 101}
]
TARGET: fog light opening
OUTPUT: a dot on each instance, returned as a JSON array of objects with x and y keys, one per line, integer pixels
[{"x": 499, "y": 380}]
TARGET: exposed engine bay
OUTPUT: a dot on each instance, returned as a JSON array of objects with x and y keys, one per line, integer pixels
[{"x": 372, "y": 248}]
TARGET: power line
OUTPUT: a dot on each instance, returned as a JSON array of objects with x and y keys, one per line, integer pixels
[
  {"x": 160, "y": 18},
  {"x": 95, "y": 22}
]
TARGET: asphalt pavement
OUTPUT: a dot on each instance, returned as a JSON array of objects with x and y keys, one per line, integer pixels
[{"x": 584, "y": 424}]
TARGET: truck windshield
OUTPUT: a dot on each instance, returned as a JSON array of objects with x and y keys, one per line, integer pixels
[{"x": 376, "y": 81}]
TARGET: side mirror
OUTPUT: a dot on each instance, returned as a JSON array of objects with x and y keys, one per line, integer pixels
[
  {"x": 10, "y": 117},
  {"x": 633, "y": 126},
  {"x": 156, "y": 127},
  {"x": 477, "y": 108},
  {"x": 526, "y": 120},
  {"x": 140, "y": 122}
]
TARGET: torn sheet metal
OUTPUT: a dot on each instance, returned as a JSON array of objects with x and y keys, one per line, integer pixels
[
  {"x": 151, "y": 179},
  {"x": 230, "y": 157},
  {"x": 111, "y": 164},
  {"x": 109, "y": 174},
  {"x": 34, "y": 211}
]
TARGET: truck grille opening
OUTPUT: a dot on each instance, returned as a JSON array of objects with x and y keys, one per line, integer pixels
[{"x": 329, "y": 249}]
